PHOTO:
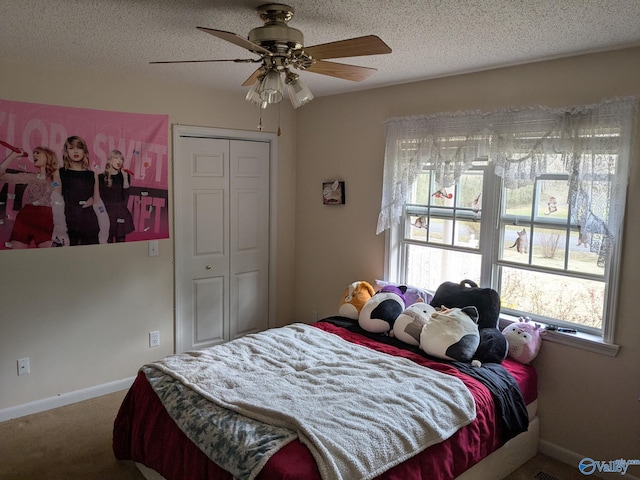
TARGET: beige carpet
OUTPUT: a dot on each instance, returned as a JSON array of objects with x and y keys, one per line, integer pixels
[
  {"x": 542, "y": 467},
  {"x": 71, "y": 442},
  {"x": 74, "y": 442}
]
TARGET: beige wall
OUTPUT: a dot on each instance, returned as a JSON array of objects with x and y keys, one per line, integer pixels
[
  {"x": 588, "y": 402},
  {"x": 82, "y": 315}
]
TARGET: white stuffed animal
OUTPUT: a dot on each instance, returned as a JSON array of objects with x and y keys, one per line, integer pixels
[
  {"x": 382, "y": 310},
  {"x": 451, "y": 334},
  {"x": 408, "y": 325}
]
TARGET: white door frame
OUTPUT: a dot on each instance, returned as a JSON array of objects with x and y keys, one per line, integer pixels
[{"x": 210, "y": 132}]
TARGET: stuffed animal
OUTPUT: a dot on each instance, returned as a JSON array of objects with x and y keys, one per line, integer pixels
[
  {"x": 524, "y": 339},
  {"x": 451, "y": 334},
  {"x": 467, "y": 293},
  {"x": 353, "y": 299},
  {"x": 381, "y": 311},
  {"x": 493, "y": 347},
  {"x": 411, "y": 295},
  {"x": 408, "y": 325}
]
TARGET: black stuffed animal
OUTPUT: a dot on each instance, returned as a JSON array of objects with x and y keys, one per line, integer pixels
[
  {"x": 493, "y": 347},
  {"x": 467, "y": 293}
]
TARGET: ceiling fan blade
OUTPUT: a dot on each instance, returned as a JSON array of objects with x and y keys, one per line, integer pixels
[
  {"x": 236, "y": 40},
  {"x": 254, "y": 77},
  {"x": 352, "y": 47},
  {"x": 236, "y": 60},
  {"x": 341, "y": 70}
]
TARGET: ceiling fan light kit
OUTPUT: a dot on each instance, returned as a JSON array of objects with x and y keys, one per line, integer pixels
[
  {"x": 270, "y": 88},
  {"x": 281, "y": 48},
  {"x": 253, "y": 95},
  {"x": 299, "y": 93}
]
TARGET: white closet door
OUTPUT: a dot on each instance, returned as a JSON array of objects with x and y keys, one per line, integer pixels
[
  {"x": 221, "y": 239},
  {"x": 249, "y": 237}
]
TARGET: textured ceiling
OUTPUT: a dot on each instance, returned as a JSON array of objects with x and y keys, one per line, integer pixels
[{"x": 429, "y": 38}]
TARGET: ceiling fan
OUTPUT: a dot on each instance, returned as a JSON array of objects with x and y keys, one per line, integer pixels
[{"x": 281, "y": 47}]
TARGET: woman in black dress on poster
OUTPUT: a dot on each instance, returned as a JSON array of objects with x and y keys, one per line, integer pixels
[
  {"x": 80, "y": 192},
  {"x": 114, "y": 191}
]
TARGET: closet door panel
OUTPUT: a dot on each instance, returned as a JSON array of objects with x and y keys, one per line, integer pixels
[
  {"x": 249, "y": 242},
  {"x": 201, "y": 172},
  {"x": 209, "y": 303}
]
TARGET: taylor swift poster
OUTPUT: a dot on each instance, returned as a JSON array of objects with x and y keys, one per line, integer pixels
[{"x": 73, "y": 176}]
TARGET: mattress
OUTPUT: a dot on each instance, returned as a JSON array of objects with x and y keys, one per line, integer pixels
[{"x": 145, "y": 433}]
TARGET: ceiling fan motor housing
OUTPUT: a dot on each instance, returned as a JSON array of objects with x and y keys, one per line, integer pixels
[{"x": 276, "y": 35}]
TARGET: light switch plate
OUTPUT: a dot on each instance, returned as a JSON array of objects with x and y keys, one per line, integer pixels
[{"x": 154, "y": 249}]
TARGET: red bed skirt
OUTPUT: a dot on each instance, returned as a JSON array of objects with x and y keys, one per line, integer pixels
[{"x": 144, "y": 432}]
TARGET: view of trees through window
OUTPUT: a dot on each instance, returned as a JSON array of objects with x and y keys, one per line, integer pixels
[{"x": 538, "y": 261}]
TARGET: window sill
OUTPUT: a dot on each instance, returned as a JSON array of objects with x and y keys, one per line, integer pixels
[{"x": 584, "y": 341}]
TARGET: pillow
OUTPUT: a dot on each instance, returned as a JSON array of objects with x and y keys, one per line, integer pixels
[
  {"x": 408, "y": 325},
  {"x": 450, "y": 334},
  {"x": 353, "y": 299},
  {"x": 411, "y": 295},
  {"x": 466, "y": 293},
  {"x": 524, "y": 340}
]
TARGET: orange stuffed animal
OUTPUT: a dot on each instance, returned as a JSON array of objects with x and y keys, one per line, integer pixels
[{"x": 353, "y": 299}]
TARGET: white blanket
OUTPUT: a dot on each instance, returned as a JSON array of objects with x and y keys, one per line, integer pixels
[{"x": 360, "y": 412}]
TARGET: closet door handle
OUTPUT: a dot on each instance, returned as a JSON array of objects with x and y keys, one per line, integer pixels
[{"x": 208, "y": 267}]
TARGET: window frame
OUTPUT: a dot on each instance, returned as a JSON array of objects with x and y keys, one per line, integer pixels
[{"x": 597, "y": 340}]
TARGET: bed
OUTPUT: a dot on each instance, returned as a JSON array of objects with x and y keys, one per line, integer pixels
[{"x": 170, "y": 422}]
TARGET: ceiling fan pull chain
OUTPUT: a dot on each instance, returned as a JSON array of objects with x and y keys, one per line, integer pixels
[{"x": 279, "y": 108}]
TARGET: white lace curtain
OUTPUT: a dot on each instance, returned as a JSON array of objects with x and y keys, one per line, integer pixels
[{"x": 593, "y": 140}]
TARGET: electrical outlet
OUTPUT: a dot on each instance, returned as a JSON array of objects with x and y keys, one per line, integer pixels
[
  {"x": 23, "y": 366},
  {"x": 154, "y": 339}
]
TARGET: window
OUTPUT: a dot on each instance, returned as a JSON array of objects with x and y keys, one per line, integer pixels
[
  {"x": 528, "y": 205},
  {"x": 441, "y": 230},
  {"x": 545, "y": 266}
]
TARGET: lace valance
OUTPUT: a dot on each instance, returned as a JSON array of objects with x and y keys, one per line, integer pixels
[{"x": 592, "y": 141}]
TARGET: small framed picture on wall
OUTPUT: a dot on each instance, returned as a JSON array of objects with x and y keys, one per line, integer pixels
[{"x": 333, "y": 193}]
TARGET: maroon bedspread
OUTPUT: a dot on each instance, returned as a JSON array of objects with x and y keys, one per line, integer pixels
[{"x": 144, "y": 432}]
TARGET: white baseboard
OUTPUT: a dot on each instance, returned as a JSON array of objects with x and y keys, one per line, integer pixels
[
  {"x": 572, "y": 458},
  {"x": 64, "y": 399}
]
